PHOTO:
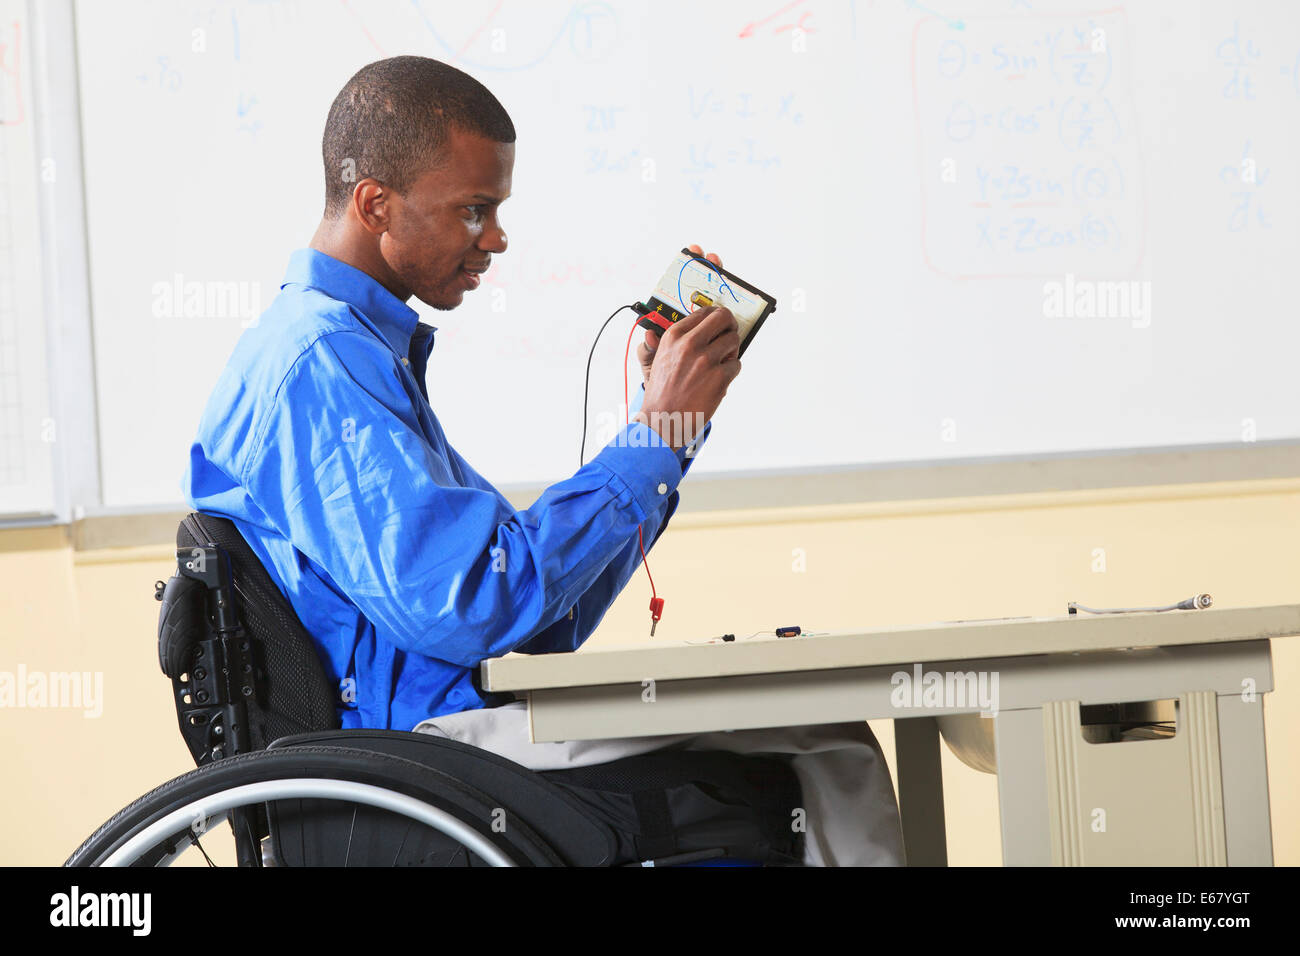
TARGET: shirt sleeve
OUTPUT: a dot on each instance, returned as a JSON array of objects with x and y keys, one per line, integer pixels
[
  {"x": 342, "y": 470},
  {"x": 569, "y": 632},
  {"x": 572, "y": 629}
]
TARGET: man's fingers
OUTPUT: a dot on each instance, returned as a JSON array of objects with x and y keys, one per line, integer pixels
[
  {"x": 725, "y": 348},
  {"x": 712, "y": 256},
  {"x": 714, "y": 331},
  {"x": 718, "y": 322},
  {"x": 645, "y": 351},
  {"x": 682, "y": 326}
]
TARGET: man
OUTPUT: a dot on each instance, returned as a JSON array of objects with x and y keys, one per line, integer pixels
[{"x": 404, "y": 564}]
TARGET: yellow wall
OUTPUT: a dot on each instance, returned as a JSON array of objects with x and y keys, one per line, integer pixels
[{"x": 865, "y": 566}]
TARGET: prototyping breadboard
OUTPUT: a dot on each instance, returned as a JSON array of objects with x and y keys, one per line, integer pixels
[{"x": 692, "y": 282}]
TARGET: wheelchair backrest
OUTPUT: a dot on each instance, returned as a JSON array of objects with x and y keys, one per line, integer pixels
[{"x": 244, "y": 670}]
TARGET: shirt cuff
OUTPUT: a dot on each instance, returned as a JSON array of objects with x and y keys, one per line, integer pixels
[
  {"x": 687, "y": 454},
  {"x": 645, "y": 464}
]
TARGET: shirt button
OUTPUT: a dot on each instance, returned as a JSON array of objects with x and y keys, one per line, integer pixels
[
  {"x": 663, "y": 488},
  {"x": 406, "y": 361}
]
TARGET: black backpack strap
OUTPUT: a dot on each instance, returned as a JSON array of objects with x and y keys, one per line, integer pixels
[{"x": 657, "y": 838}]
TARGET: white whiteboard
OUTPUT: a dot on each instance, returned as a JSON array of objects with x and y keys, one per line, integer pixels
[
  {"x": 905, "y": 179},
  {"x": 27, "y": 428}
]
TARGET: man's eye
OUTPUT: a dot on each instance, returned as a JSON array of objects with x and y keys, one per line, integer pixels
[{"x": 477, "y": 212}]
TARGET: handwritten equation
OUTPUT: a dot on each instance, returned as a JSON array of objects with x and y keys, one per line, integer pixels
[
  {"x": 1027, "y": 145},
  {"x": 735, "y": 131},
  {"x": 1247, "y": 63}
]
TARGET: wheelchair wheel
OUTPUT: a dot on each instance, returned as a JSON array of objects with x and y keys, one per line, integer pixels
[{"x": 298, "y": 782}]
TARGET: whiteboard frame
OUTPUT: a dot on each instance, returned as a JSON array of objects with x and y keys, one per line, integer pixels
[
  {"x": 977, "y": 482},
  {"x": 64, "y": 263},
  {"x": 1060, "y": 473}
]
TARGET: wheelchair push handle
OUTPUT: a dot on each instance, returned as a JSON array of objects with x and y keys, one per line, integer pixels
[{"x": 199, "y": 572}]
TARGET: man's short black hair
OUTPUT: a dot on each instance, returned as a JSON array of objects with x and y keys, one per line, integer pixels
[{"x": 390, "y": 122}]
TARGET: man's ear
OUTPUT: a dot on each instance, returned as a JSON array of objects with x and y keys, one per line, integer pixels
[{"x": 372, "y": 205}]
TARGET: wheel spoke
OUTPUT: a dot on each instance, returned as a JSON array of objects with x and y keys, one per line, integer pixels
[{"x": 352, "y": 828}]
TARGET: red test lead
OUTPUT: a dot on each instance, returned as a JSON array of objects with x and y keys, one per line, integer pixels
[
  {"x": 656, "y": 602},
  {"x": 656, "y": 611}
]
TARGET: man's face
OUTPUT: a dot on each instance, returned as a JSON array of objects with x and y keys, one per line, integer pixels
[{"x": 444, "y": 231}]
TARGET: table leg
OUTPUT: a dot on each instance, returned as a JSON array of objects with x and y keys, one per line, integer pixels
[
  {"x": 920, "y": 791},
  {"x": 1244, "y": 764},
  {"x": 1022, "y": 788}
]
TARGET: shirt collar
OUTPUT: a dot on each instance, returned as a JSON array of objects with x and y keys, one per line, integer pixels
[{"x": 392, "y": 318}]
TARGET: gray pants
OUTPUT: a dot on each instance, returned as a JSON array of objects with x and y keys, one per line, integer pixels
[{"x": 851, "y": 814}]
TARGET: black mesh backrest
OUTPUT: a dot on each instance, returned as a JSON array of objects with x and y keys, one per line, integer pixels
[{"x": 294, "y": 696}]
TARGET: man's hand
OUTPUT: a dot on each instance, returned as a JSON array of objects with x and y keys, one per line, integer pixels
[
  {"x": 645, "y": 351},
  {"x": 698, "y": 357}
]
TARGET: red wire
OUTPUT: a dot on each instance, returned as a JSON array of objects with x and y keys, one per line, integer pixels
[{"x": 627, "y": 352}]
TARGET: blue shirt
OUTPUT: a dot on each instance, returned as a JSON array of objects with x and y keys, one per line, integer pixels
[{"x": 406, "y": 566}]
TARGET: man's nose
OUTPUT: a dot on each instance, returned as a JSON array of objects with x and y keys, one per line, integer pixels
[{"x": 493, "y": 240}]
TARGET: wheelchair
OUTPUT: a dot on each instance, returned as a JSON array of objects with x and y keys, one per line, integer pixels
[{"x": 275, "y": 769}]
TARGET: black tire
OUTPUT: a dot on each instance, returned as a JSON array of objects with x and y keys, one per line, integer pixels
[{"x": 471, "y": 807}]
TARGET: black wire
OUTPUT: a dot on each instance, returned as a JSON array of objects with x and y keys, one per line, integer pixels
[{"x": 582, "y": 455}]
